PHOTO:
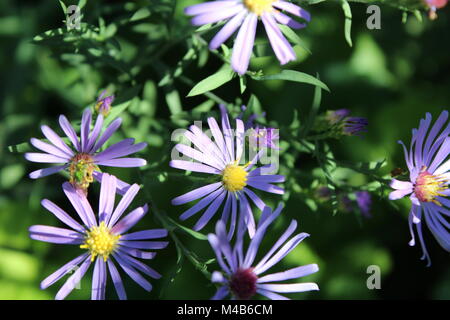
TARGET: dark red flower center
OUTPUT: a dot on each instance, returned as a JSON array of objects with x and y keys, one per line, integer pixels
[{"x": 243, "y": 283}]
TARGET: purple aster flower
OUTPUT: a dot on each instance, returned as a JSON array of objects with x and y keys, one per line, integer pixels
[
  {"x": 244, "y": 15},
  {"x": 364, "y": 201},
  {"x": 82, "y": 163},
  {"x": 429, "y": 165},
  {"x": 243, "y": 276},
  {"x": 104, "y": 240},
  {"x": 103, "y": 104},
  {"x": 222, "y": 158},
  {"x": 345, "y": 124}
]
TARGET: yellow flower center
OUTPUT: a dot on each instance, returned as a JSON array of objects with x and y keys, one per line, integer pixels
[
  {"x": 234, "y": 177},
  {"x": 81, "y": 169},
  {"x": 100, "y": 241},
  {"x": 258, "y": 7},
  {"x": 429, "y": 186}
]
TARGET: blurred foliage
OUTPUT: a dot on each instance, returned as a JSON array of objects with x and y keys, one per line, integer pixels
[{"x": 147, "y": 54}]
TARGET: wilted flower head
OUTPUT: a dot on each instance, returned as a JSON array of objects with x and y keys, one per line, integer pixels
[
  {"x": 222, "y": 157},
  {"x": 244, "y": 15},
  {"x": 104, "y": 239},
  {"x": 103, "y": 105},
  {"x": 323, "y": 193},
  {"x": 434, "y": 5},
  {"x": 83, "y": 162},
  {"x": 429, "y": 165},
  {"x": 242, "y": 278},
  {"x": 343, "y": 124},
  {"x": 364, "y": 201}
]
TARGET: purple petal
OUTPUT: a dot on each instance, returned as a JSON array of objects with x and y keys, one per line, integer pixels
[
  {"x": 256, "y": 200},
  {"x": 292, "y": 9},
  {"x": 265, "y": 187},
  {"x": 99, "y": 280},
  {"x": 138, "y": 253},
  {"x": 48, "y": 148},
  {"x": 107, "y": 197},
  {"x": 227, "y": 30},
  {"x": 117, "y": 280},
  {"x": 222, "y": 150},
  {"x": 55, "y": 235},
  {"x": 69, "y": 131},
  {"x": 123, "y": 204},
  {"x": 47, "y": 171},
  {"x": 286, "y": 20},
  {"x": 62, "y": 215},
  {"x": 120, "y": 149},
  {"x": 294, "y": 287},
  {"x": 283, "y": 50},
  {"x": 73, "y": 281},
  {"x": 210, "y": 212},
  {"x": 207, "y": 7},
  {"x": 107, "y": 134},
  {"x": 196, "y": 193},
  {"x": 55, "y": 139},
  {"x": 221, "y": 293},
  {"x": 200, "y": 205},
  {"x": 81, "y": 205},
  {"x": 288, "y": 247},
  {"x": 271, "y": 295},
  {"x": 123, "y": 162},
  {"x": 398, "y": 194},
  {"x": 289, "y": 231},
  {"x": 129, "y": 220},
  {"x": 243, "y": 45},
  {"x": 44, "y": 158},
  {"x": 85, "y": 128},
  {"x": 193, "y": 166},
  {"x": 142, "y": 267},
  {"x": 147, "y": 245},
  {"x": 133, "y": 273},
  {"x": 290, "y": 274},
  {"x": 215, "y": 244},
  {"x": 122, "y": 187},
  {"x": 95, "y": 133},
  {"x": 61, "y": 272},
  {"x": 145, "y": 234},
  {"x": 217, "y": 15}
]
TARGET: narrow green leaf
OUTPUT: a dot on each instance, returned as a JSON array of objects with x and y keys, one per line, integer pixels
[
  {"x": 348, "y": 22},
  {"x": 296, "y": 76},
  {"x": 212, "y": 82}
]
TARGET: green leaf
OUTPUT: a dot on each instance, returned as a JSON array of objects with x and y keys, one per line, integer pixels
[
  {"x": 296, "y": 76},
  {"x": 348, "y": 22},
  {"x": 212, "y": 82},
  {"x": 192, "y": 233}
]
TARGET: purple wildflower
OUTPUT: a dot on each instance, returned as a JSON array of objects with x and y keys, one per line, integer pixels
[
  {"x": 82, "y": 163},
  {"x": 429, "y": 166},
  {"x": 345, "y": 124},
  {"x": 103, "y": 240},
  {"x": 244, "y": 15},
  {"x": 364, "y": 201},
  {"x": 243, "y": 278},
  {"x": 103, "y": 104},
  {"x": 222, "y": 158}
]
